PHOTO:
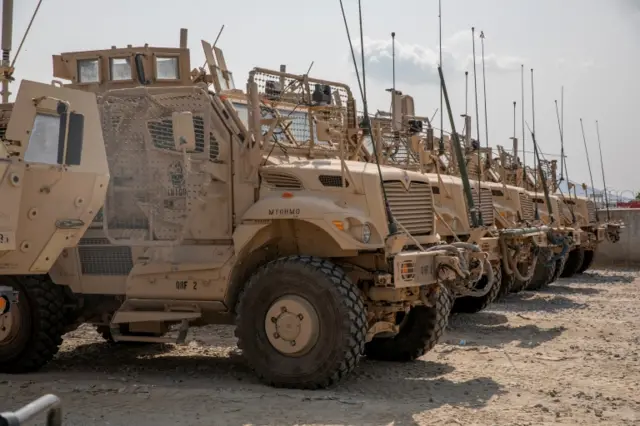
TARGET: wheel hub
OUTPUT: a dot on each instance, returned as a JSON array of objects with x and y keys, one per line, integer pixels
[
  {"x": 9, "y": 324},
  {"x": 292, "y": 325}
]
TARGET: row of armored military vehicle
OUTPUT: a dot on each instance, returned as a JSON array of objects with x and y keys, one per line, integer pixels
[{"x": 147, "y": 198}]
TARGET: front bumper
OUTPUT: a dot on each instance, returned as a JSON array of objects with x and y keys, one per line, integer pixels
[
  {"x": 612, "y": 231},
  {"x": 418, "y": 268}
]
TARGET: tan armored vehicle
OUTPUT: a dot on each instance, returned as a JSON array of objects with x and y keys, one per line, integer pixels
[
  {"x": 54, "y": 180},
  {"x": 550, "y": 210},
  {"x": 516, "y": 208},
  {"x": 401, "y": 143},
  {"x": 580, "y": 213},
  {"x": 510, "y": 242},
  {"x": 522, "y": 236},
  {"x": 253, "y": 215}
]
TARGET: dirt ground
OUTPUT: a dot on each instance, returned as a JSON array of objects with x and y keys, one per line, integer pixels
[{"x": 566, "y": 355}]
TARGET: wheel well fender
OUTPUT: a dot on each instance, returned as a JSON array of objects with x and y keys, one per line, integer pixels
[{"x": 276, "y": 239}]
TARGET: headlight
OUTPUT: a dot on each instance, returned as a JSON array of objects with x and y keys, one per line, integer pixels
[
  {"x": 4, "y": 305},
  {"x": 366, "y": 233}
]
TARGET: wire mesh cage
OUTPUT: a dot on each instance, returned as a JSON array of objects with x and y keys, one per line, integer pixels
[{"x": 154, "y": 186}]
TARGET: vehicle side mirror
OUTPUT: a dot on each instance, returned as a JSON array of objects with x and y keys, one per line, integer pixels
[
  {"x": 75, "y": 137},
  {"x": 184, "y": 134}
]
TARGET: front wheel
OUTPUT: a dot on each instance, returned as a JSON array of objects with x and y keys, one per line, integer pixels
[
  {"x": 544, "y": 272},
  {"x": 559, "y": 267},
  {"x": 588, "y": 260},
  {"x": 573, "y": 263},
  {"x": 420, "y": 330},
  {"x": 519, "y": 285},
  {"x": 31, "y": 334},
  {"x": 301, "y": 323},
  {"x": 506, "y": 283},
  {"x": 470, "y": 304}
]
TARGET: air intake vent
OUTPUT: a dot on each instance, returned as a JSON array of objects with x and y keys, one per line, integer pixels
[
  {"x": 281, "y": 181},
  {"x": 527, "y": 207},
  {"x": 413, "y": 208},
  {"x": 483, "y": 203},
  {"x": 591, "y": 208},
  {"x": 332, "y": 180},
  {"x": 107, "y": 260}
]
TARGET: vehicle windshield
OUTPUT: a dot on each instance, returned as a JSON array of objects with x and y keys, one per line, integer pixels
[{"x": 298, "y": 124}]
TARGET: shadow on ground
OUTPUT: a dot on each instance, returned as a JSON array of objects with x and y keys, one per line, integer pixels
[
  {"x": 540, "y": 301},
  {"x": 597, "y": 277},
  {"x": 494, "y": 331},
  {"x": 391, "y": 392},
  {"x": 558, "y": 288}
]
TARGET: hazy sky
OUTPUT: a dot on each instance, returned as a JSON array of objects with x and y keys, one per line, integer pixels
[{"x": 585, "y": 45}]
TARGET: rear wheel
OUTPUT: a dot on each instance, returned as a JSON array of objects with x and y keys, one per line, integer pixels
[
  {"x": 573, "y": 263},
  {"x": 470, "y": 304},
  {"x": 588, "y": 260},
  {"x": 31, "y": 334},
  {"x": 420, "y": 330},
  {"x": 301, "y": 323}
]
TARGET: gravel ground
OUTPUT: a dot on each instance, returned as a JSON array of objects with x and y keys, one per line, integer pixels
[{"x": 566, "y": 355}]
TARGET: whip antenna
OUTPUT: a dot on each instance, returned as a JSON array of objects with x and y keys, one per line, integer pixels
[
  {"x": 484, "y": 84},
  {"x": 604, "y": 182},
  {"x": 593, "y": 189},
  {"x": 391, "y": 224}
]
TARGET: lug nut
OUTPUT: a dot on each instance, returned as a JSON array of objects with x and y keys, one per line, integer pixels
[
  {"x": 293, "y": 343},
  {"x": 300, "y": 317},
  {"x": 276, "y": 335}
]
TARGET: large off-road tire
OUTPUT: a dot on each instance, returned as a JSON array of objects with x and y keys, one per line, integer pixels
[
  {"x": 34, "y": 335},
  {"x": 573, "y": 263},
  {"x": 470, "y": 304},
  {"x": 309, "y": 296},
  {"x": 519, "y": 285},
  {"x": 506, "y": 284},
  {"x": 559, "y": 267},
  {"x": 105, "y": 332},
  {"x": 419, "y": 332},
  {"x": 543, "y": 273},
  {"x": 589, "y": 255}
]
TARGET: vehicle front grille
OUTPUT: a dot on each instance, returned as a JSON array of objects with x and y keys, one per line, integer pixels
[
  {"x": 591, "y": 208},
  {"x": 527, "y": 206},
  {"x": 484, "y": 203},
  {"x": 412, "y": 208}
]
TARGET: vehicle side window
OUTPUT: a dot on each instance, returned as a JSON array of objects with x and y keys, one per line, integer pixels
[
  {"x": 44, "y": 140},
  {"x": 89, "y": 71}
]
